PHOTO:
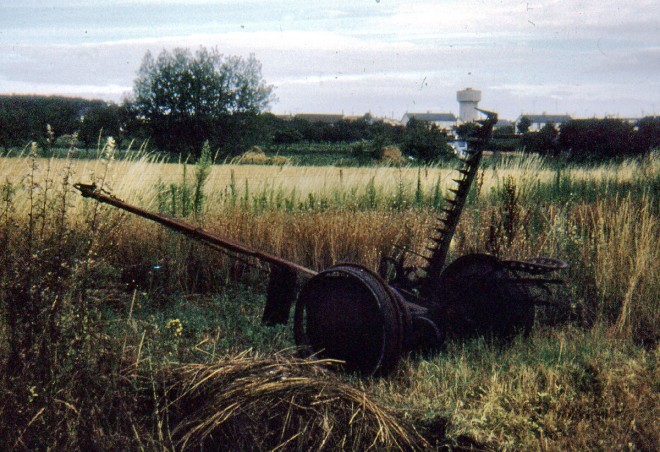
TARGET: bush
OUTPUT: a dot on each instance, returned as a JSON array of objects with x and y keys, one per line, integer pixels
[
  {"x": 597, "y": 139},
  {"x": 425, "y": 141}
]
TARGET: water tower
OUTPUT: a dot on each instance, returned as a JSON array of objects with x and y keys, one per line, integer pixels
[{"x": 468, "y": 100}]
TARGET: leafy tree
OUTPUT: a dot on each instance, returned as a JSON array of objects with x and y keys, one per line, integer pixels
[
  {"x": 545, "y": 141},
  {"x": 467, "y": 130},
  {"x": 184, "y": 98},
  {"x": 425, "y": 141},
  {"x": 524, "y": 124},
  {"x": 597, "y": 138},
  {"x": 26, "y": 118},
  {"x": 103, "y": 118},
  {"x": 286, "y": 134},
  {"x": 504, "y": 131},
  {"x": 12, "y": 124},
  {"x": 648, "y": 134}
]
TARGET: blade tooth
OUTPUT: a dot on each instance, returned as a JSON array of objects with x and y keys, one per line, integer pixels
[
  {"x": 473, "y": 159},
  {"x": 433, "y": 250},
  {"x": 455, "y": 191},
  {"x": 459, "y": 181},
  {"x": 464, "y": 172},
  {"x": 451, "y": 201},
  {"x": 448, "y": 211}
]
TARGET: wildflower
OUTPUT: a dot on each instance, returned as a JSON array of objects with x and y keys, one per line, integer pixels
[{"x": 174, "y": 328}]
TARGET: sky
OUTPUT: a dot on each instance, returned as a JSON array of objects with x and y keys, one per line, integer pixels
[{"x": 583, "y": 58}]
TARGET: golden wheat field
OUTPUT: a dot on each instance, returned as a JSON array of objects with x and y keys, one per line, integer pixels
[
  {"x": 140, "y": 176},
  {"x": 95, "y": 360}
]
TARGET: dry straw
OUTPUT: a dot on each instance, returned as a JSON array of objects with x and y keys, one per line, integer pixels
[
  {"x": 280, "y": 403},
  {"x": 256, "y": 156}
]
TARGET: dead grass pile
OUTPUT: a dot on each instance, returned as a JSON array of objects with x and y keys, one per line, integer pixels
[
  {"x": 256, "y": 403},
  {"x": 392, "y": 155},
  {"x": 256, "y": 156}
]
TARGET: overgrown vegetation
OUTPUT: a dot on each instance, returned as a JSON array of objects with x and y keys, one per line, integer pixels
[
  {"x": 232, "y": 119},
  {"x": 113, "y": 329}
]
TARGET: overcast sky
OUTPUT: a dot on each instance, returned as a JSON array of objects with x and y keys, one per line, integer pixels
[{"x": 584, "y": 58}]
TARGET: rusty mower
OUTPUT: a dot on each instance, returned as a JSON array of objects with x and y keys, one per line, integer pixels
[{"x": 369, "y": 319}]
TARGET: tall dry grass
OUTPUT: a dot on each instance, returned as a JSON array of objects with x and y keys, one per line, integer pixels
[
  {"x": 64, "y": 260},
  {"x": 318, "y": 216},
  {"x": 627, "y": 252}
]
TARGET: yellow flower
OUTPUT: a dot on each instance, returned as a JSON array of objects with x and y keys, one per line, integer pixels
[{"x": 174, "y": 327}]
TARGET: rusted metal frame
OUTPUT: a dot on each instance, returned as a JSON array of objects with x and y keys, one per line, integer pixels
[{"x": 195, "y": 232}]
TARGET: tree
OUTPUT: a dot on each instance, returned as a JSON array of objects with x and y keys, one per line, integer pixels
[
  {"x": 589, "y": 139},
  {"x": 524, "y": 124},
  {"x": 12, "y": 124},
  {"x": 467, "y": 130},
  {"x": 504, "y": 132},
  {"x": 25, "y": 118},
  {"x": 183, "y": 97},
  {"x": 648, "y": 134},
  {"x": 425, "y": 141},
  {"x": 103, "y": 118},
  {"x": 545, "y": 141}
]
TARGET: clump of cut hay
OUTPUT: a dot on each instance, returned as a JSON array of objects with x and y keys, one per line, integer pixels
[
  {"x": 254, "y": 403},
  {"x": 280, "y": 160},
  {"x": 256, "y": 156},
  {"x": 392, "y": 155}
]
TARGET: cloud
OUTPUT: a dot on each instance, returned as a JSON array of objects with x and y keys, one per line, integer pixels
[
  {"x": 96, "y": 91},
  {"x": 513, "y": 17},
  {"x": 385, "y": 56}
]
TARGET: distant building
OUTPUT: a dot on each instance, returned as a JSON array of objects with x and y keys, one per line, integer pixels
[
  {"x": 353, "y": 118},
  {"x": 539, "y": 121},
  {"x": 319, "y": 117},
  {"x": 390, "y": 121},
  {"x": 444, "y": 121},
  {"x": 629, "y": 120}
]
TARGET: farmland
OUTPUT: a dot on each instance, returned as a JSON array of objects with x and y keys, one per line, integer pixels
[{"x": 104, "y": 314}]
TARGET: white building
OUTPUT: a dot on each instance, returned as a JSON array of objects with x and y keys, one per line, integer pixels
[
  {"x": 539, "y": 121},
  {"x": 444, "y": 121}
]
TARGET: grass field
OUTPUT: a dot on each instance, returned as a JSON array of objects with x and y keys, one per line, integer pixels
[{"x": 115, "y": 330}]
